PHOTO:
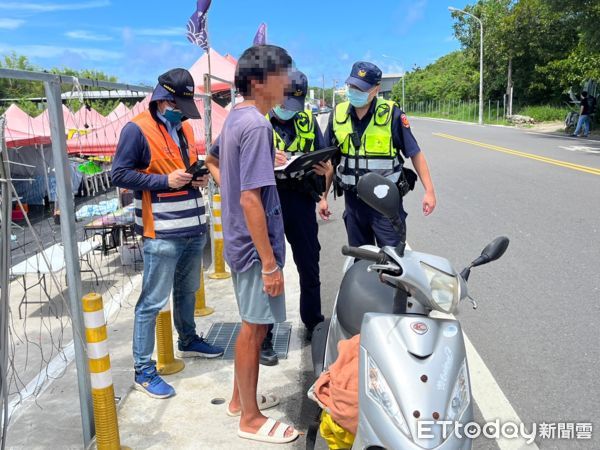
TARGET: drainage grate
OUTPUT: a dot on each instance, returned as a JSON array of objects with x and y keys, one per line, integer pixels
[{"x": 224, "y": 334}]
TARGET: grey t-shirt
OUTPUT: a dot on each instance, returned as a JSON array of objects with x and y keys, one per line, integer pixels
[{"x": 246, "y": 162}]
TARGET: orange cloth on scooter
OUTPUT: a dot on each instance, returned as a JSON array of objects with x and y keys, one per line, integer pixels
[
  {"x": 337, "y": 388},
  {"x": 337, "y": 438}
]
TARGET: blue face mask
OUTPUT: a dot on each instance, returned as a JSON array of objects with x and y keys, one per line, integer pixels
[
  {"x": 173, "y": 116},
  {"x": 357, "y": 98},
  {"x": 284, "y": 114}
]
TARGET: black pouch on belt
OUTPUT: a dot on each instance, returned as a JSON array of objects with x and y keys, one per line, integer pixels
[{"x": 407, "y": 181}]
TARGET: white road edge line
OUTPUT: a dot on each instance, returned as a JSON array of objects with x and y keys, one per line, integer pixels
[
  {"x": 488, "y": 395},
  {"x": 490, "y": 399},
  {"x": 62, "y": 360}
]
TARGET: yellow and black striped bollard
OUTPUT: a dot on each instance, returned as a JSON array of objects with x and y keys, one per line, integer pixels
[
  {"x": 200, "y": 308},
  {"x": 219, "y": 263},
  {"x": 166, "y": 363},
  {"x": 103, "y": 392}
]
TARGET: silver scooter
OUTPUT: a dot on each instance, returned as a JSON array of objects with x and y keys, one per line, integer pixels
[{"x": 414, "y": 384}]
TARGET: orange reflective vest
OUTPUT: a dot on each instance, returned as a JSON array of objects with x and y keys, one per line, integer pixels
[{"x": 169, "y": 213}]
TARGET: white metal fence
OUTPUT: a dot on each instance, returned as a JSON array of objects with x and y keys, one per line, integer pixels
[{"x": 54, "y": 164}]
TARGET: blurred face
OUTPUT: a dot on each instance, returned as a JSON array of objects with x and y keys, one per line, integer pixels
[
  {"x": 164, "y": 104},
  {"x": 273, "y": 89}
]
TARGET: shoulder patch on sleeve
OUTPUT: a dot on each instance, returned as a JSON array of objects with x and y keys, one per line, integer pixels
[{"x": 405, "y": 122}]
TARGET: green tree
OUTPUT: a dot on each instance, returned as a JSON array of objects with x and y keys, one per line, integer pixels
[
  {"x": 451, "y": 77},
  {"x": 22, "y": 91},
  {"x": 493, "y": 14},
  {"x": 587, "y": 16},
  {"x": 529, "y": 34}
]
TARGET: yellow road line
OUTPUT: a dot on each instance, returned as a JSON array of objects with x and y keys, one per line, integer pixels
[{"x": 556, "y": 162}]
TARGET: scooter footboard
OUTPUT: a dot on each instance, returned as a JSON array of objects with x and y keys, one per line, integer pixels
[{"x": 318, "y": 345}]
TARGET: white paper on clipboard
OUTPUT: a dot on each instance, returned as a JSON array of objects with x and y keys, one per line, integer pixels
[{"x": 285, "y": 166}]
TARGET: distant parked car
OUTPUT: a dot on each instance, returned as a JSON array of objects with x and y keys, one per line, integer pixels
[{"x": 324, "y": 110}]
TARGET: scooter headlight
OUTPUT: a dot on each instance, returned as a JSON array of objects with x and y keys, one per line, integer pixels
[
  {"x": 461, "y": 396},
  {"x": 444, "y": 288},
  {"x": 380, "y": 392}
]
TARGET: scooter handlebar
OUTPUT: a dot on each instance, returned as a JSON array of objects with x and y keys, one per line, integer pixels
[{"x": 362, "y": 253}]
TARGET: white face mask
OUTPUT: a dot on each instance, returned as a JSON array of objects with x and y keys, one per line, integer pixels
[{"x": 357, "y": 98}]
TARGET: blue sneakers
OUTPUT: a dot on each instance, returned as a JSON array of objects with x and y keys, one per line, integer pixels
[
  {"x": 198, "y": 347},
  {"x": 152, "y": 384}
]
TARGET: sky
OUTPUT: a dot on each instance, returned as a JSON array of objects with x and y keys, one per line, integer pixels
[{"x": 138, "y": 40}]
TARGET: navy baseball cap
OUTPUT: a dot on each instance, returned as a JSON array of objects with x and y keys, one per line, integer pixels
[
  {"x": 177, "y": 85},
  {"x": 364, "y": 75},
  {"x": 296, "y": 92}
]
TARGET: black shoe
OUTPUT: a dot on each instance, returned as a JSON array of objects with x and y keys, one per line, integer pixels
[
  {"x": 309, "y": 334},
  {"x": 268, "y": 357}
]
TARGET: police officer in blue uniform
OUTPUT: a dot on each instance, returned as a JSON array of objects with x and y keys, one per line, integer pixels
[{"x": 374, "y": 135}]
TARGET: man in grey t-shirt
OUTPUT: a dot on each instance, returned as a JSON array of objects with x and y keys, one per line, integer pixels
[{"x": 253, "y": 230}]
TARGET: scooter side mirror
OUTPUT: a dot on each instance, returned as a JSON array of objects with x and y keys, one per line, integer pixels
[
  {"x": 379, "y": 193},
  {"x": 492, "y": 251}
]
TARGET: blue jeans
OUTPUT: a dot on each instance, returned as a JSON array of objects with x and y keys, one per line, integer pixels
[
  {"x": 583, "y": 122},
  {"x": 168, "y": 264}
]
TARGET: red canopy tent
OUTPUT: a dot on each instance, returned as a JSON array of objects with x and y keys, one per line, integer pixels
[
  {"x": 120, "y": 110},
  {"x": 15, "y": 138},
  {"x": 101, "y": 135},
  {"x": 218, "y": 116},
  {"x": 19, "y": 130},
  {"x": 88, "y": 118},
  {"x": 41, "y": 123},
  {"x": 103, "y": 140},
  {"x": 220, "y": 66},
  {"x": 231, "y": 59}
]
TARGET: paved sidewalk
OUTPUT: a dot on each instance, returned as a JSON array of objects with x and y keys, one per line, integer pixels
[{"x": 187, "y": 421}]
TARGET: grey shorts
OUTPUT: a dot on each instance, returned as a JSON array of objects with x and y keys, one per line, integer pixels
[{"x": 254, "y": 304}]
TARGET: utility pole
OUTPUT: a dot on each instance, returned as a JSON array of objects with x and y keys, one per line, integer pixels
[
  {"x": 403, "y": 77},
  {"x": 509, "y": 86},
  {"x": 333, "y": 94}
]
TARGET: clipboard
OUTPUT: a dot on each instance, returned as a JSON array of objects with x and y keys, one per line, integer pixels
[{"x": 304, "y": 162}]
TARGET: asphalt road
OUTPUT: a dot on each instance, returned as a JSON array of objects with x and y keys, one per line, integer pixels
[{"x": 537, "y": 324}]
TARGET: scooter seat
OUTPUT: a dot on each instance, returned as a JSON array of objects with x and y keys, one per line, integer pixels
[{"x": 362, "y": 292}]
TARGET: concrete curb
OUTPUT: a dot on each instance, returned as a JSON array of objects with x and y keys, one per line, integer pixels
[{"x": 188, "y": 420}]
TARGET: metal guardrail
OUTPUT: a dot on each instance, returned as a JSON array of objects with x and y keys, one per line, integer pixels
[{"x": 68, "y": 79}]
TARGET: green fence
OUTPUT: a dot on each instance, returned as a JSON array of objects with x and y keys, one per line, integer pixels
[{"x": 463, "y": 110}]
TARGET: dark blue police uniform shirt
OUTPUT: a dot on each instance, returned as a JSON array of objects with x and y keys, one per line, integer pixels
[{"x": 402, "y": 136}]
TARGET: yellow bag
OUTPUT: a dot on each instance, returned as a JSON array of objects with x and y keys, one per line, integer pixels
[{"x": 337, "y": 438}]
